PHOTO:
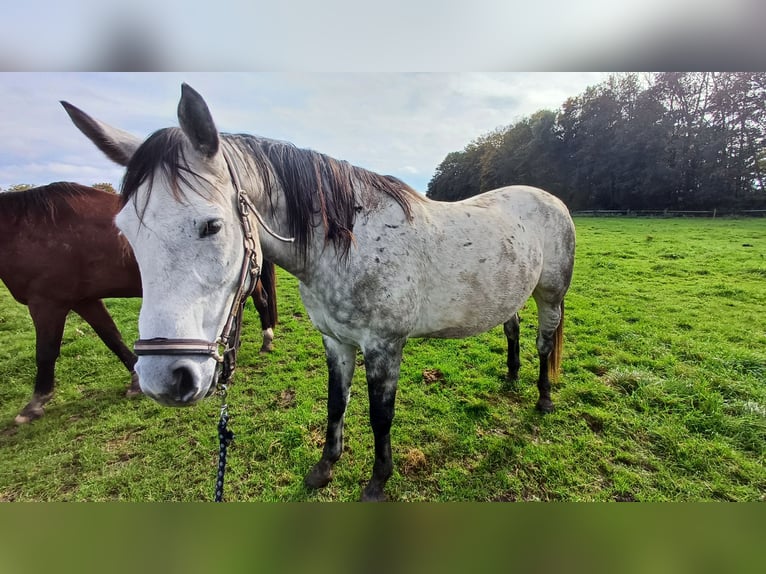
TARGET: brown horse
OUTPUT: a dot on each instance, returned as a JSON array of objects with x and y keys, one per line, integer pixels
[{"x": 60, "y": 252}]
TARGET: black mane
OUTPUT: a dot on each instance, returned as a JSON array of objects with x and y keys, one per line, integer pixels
[
  {"x": 44, "y": 202},
  {"x": 313, "y": 183},
  {"x": 163, "y": 150}
]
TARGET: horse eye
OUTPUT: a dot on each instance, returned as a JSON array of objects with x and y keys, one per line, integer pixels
[{"x": 210, "y": 227}]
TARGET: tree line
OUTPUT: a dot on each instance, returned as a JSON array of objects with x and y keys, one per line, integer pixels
[{"x": 671, "y": 140}]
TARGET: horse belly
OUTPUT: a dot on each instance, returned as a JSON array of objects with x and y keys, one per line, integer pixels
[
  {"x": 467, "y": 319},
  {"x": 475, "y": 302}
]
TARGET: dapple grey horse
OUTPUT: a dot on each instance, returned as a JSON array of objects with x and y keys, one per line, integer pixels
[{"x": 377, "y": 262}]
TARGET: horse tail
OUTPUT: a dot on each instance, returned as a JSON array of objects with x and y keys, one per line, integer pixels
[
  {"x": 554, "y": 359},
  {"x": 269, "y": 282}
]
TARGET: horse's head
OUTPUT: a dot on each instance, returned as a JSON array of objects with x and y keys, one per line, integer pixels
[{"x": 182, "y": 219}]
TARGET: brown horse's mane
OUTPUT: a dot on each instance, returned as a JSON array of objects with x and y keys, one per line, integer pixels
[
  {"x": 313, "y": 183},
  {"x": 46, "y": 202}
]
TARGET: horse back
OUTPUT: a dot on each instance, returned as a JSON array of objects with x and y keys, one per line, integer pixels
[
  {"x": 454, "y": 270},
  {"x": 66, "y": 247}
]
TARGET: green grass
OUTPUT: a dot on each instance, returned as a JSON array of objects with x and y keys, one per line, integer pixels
[{"x": 662, "y": 395}]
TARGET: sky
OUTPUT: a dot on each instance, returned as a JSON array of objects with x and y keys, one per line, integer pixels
[
  {"x": 341, "y": 77},
  {"x": 401, "y": 124}
]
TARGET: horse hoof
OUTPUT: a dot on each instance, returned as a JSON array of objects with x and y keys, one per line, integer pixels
[
  {"x": 266, "y": 349},
  {"x": 34, "y": 409},
  {"x": 135, "y": 388},
  {"x": 545, "y": 406},
  {"x": 319, "y": 476},
  {"x": 28, "y": 415},
  {"x": 373, "y": 494}
]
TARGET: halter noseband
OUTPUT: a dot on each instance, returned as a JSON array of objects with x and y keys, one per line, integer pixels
[{"x": 224, "y": 349}]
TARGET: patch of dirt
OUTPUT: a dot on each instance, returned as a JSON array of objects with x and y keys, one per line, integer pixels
[
  {"x": 431, "y": 376},
  {"x": 624, "y": 497},
  {"x": 317, "y": 436},
  {"x": 524, "y": 496},
  {"x": 117, "y": 444},
  {"x": 594, "y": 424},
  {"x": 414, "y": 462},
  {"x": 286, "y": 399},
  {"x": 509, "y": 497}
]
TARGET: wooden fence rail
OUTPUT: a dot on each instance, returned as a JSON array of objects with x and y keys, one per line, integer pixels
[{"x": 672, "y": 212}]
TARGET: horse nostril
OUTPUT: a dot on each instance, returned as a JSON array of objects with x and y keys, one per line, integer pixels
[{"x": 184, "y": 383}]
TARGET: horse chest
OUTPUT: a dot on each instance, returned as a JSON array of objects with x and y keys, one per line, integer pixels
[
  {"x": 330, "y": 319},
  {"x": 351, "y": 308}
]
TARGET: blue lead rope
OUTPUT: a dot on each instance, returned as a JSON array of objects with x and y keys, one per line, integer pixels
[{"x": 225, "y": 436}]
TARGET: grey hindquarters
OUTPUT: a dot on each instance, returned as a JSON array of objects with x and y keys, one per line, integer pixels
[
  {"x": 543, "y": 233},
  {"x": 558, "y": 265},
  {"x": 478, "y": 267}
]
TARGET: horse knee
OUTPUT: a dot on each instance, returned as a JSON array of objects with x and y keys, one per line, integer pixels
[
  {"x": 46, "y": 355},
  {"x": 544, "y": 343}
]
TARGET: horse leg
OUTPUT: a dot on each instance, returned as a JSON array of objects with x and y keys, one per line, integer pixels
[
  {"x": 49, "y": 319},
  {"x": 382, "y": 363},
  {"x": 95, "y": 314},
  {"x": 262, "y": 306},
  {"x": 268, "y": 310},
  {"x": 511, "y": 329},
  {"x": 549, "y": 342},
  {"x": 341, "y": 360}
]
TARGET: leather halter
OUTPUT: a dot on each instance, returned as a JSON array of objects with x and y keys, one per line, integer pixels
[{"x": 224, "y": 349}]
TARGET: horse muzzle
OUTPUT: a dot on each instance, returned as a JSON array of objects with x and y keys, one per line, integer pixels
[
  {"x": 177, "y": 381},
  {"x": 177, "y": 372}
]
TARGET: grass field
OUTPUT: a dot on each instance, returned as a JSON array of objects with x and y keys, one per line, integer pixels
[{"x": 662, "y": 395}]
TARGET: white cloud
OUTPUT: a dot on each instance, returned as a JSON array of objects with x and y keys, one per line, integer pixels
[{"x": 401, "y": 124}]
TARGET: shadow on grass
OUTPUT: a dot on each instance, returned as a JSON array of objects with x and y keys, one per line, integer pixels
[{"x": 61, "y": 412}]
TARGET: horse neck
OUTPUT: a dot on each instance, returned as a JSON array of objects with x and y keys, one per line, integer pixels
[
  {"x": 7, "y": 235},
  {"x": 9, "y": 231},
  {"x": 284, "y": 254},
  {"x": 272, "y": 208}
]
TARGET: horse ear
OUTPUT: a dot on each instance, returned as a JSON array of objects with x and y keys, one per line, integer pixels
[
  {"x": 118, "y": 145},
  {"x": 196, "y": 121}
]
